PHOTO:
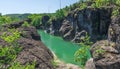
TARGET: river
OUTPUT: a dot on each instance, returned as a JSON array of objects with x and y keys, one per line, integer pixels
[{"x": 63, "y": 50}]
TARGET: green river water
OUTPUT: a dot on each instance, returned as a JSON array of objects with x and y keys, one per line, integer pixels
[{"x": 63, "y": 50}]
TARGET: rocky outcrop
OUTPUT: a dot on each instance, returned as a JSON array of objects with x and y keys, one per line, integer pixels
[
  {"x": 32, "y": 48},
  {"x": 106, "y": 53},
  {"x": 114, "y": 32},
  {"x": 90, "y": 64},
  {"x": 94, "y": 21},
  {"x": 105, "y": 56}
]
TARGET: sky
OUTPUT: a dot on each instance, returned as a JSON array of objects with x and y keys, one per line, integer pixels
[{"x": 32, "y": 6}]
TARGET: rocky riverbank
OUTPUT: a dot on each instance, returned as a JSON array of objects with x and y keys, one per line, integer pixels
[{"x": 32, "y": 48}]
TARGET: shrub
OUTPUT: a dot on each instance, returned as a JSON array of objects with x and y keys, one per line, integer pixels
[
  {"x": 11, "y": 36},
  {"x": 116, "y": 12},
  {"x": 36, "y": 21},
  {"x": 7, "y": 54},
  {"x": 83, "y": 6},
  {"x": 54, "y": 63},
  {"x": 25, "y": 24},
  {"x": 17, "y": 65},
  {"x": 59, "y": 14},
  {"x": 5, "y": 20},
  {"x": 83, "y": 54}
]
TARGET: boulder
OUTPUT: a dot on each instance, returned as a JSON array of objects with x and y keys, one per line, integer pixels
[{"x": 105, "y": 56}]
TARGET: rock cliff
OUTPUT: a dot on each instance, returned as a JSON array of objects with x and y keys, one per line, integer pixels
[{"x": 94, "y": 21}]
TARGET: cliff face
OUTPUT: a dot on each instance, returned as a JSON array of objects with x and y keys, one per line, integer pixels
[
  {"x": 32, "y": 48},
  {"x": 93, "y": 21}
]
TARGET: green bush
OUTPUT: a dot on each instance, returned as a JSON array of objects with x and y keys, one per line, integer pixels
[
  {"x": 59, "y": 14},
  {"x": 36, "y": 19},
  {"x": 17, "y": 65},
  {"x": 12, "y": 37},
  {"x": 83, "y": 6},
  {"x": 5, "y": 20},
  {"x": 83, "y": 54},
  {"x": 7, "y": 54},
  {"x": 54, "y": 63},
  {"x": 25, "y": 24},
  {"x": 116, "y": 12},
  {"x": 118, "y": 2}
]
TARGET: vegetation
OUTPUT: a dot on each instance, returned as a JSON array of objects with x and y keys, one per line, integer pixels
[
  {"x": 17, "y": 65},
  {"x": 18, "y": 17},
  {"x": 25, "y": 24},
  {"x": 9, "y": 52},
  {"x": 54, "y": 63},
  {"x": 36, "y": 19},
  {"x": 99, "y": 51},
  {"x": 12, "y": 37},
  {"x": 82, "y": 55},
  {"x": 5, "y": 20}
]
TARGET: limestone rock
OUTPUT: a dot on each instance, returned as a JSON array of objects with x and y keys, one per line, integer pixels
[{"x": 90, "y": 64}]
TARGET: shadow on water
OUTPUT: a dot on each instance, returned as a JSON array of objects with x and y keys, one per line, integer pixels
[{"x": 63, "y": 50}]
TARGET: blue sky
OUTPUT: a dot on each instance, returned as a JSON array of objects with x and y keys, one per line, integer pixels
[{"x": 32, "y": 6}]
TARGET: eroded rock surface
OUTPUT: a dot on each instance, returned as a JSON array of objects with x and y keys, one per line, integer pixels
[
  {"x": 106, "y": 53},
  {"x": 32, "y": 48},
  {"x": 94, "y": 21}
]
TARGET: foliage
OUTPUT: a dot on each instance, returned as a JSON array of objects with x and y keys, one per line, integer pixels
[
  {"x": 81, "y": 55},
  {"x": 36, "y": 19},
  {"x": 12, "y": 37},
  {"x": 116, "y": 12},
  {"x": 17, "y": 65},
  {"x": 100, "y": 3},
  {"x": 5, "y": 20},
  {"x": 54, "y": 63},
  {"x": 18, "y": 17},
  {"x": 99, "y": 51},
  {"x": 25, "y": 24},
  {"x": 7, "y": 54},
  {"x": 83, "y": 6},
  {"x": 118, "y": 2},
  {"x": 59, "y": 14},
  {"x": 86, "y": 40}
]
